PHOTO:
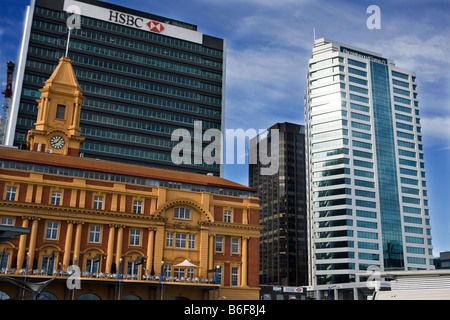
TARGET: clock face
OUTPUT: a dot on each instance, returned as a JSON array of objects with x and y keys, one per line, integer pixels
[{"x": 57, "y": 142}]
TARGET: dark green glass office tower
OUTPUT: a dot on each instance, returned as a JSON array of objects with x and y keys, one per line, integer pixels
[{"x": 143, "y": 76}]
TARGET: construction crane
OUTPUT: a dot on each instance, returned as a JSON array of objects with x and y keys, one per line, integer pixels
[{"x": 8, "y": 96}]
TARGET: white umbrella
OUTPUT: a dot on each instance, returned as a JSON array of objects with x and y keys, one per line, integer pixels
[{"x": 186, "y": 263}]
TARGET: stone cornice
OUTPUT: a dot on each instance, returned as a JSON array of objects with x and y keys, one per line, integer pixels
[{"x": 62, "y": 212}]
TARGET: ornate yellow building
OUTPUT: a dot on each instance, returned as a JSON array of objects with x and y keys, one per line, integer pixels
[{"x": 132, "y": 232}]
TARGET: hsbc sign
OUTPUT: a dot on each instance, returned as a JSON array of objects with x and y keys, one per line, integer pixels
[
  {"x": 293, "y": 289},
  {"x": 133, "y": 21}
]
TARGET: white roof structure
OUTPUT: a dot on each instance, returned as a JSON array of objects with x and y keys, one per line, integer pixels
[
  {"x": 417, "y": 285},
  {"x": 186, "y": 263}
]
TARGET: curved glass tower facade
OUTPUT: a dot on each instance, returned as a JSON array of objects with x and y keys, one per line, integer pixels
[{"x": 367, "y": 195}]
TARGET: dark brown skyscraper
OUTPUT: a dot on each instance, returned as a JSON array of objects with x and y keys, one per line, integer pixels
[{"x": 283, "y": 215}]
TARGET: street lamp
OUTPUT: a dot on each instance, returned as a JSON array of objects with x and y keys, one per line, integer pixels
[
  {"x": 161, "y": 279},
  {"x": 329, "y": 291}
]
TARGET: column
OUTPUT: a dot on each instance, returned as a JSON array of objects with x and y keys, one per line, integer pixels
[
  {"x": 73, "y": 198},
  {"x": 29, "y": 195},
  {"x": 38, "y": 198},
  {"x": 244, "y": 261},
  {"x": 153, "y": 205},
  {"x": 22, "y": 245},
  {"x": 211, "y": 252},
  {"x": 114, "y": 202},
  {"x": 32, "y": 246},
  {"x": 77, "y": 244},
  {"x": 245, "y": 215},
  {"x": 202, "y": 243},
  {"x": 151, "y": 240},
  {"x": 119, "y": 246},
  {"x": 68, "y": 245},
  {"x": 159, "y": 248},
  {"x": 110, "y": 249}
]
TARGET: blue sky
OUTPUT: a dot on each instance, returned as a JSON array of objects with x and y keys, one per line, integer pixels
[{"x": 268, "y": 47}]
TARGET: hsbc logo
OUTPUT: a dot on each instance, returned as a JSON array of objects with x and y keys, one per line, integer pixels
[
  {"x": 133, "y": 21},
  {"x": 155, "y": 26}
]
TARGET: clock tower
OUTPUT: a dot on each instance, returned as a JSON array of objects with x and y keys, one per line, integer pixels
[{"x": 57, "y": 129}]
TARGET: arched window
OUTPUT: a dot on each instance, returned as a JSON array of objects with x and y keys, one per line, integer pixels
[
  {"x": 88, "y": 296},
  {"x": 131, "y": 297},
  {"x": 4, "y": 296},
  {"x": 47, "y": 296}
]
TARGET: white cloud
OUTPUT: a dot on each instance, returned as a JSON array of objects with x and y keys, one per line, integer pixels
[
  {"x": 426, "y": 55},
  {"x": 436, "y": 132}
]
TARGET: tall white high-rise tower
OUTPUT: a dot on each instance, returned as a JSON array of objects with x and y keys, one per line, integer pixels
[{"x": 367, "y": 194}]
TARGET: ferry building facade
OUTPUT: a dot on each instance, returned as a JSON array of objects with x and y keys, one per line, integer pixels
[{"x": 127, "y": 231}]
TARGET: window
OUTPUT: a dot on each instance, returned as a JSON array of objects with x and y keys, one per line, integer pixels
[
  {"x": 5, "y": 260},
  {"x": 367, "y": 204},
  {"x": 169, "y": 240},
  {"x": 227, "y": 216},
  {"x": 48, "y": 263},
  {"x": 52, "y": 230},
  {"x": 56, "y": 198},
  {"x": 137, "y": 206},
  {"x": 408, "y": 171},
  {"x": 402, "y": 109},
  {"x": 192, "y": 241},
  {"x": 7, "y": 221},
  {"x": 135, "y": 237},
  {"x": 11, "y": 193},
  {"x": 360, "y": 125},
  {"x": 180, "y": 240},
  {"x": 356, "y": 63},
  {"x": 364, "y": 193},
  {"x": 416, "y": 260},
  {"x": 190, "y": 273},
  {"x": 98, "y": 202},
  {"x": 234, "y": 276},
  {"x": 92, "y": 265},
  {"x": 357, "y": 72},
  {"x": 132, "y": 268},
  {"x": 167, "y": 270},
  {"x": 94, "y": 234},
  {"x": 235, "y": 245},
  {"x": 178, "y": 273},
  {"x": 60, "y": 111},
  {"x": 218, "y": 275},
  {"x": 358, "y": 89},
  {"x": 400, "y": 75},
  {"x": 182, "y": 213},
  {"x": 219, "y": 244},
  {"x": 400, "y": 91},
  {"x": 402, "y": 100},
  {"x": 410, "y": 239}
]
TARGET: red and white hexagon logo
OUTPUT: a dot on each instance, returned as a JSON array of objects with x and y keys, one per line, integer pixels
[{"x": 155, "y": 26}]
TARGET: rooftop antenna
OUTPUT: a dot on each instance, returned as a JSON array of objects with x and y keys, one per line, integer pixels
[
  {"x": 67, "y": 44},
  {"x": 73, "y": 22},
  {"x": 314, "y": 33}
]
